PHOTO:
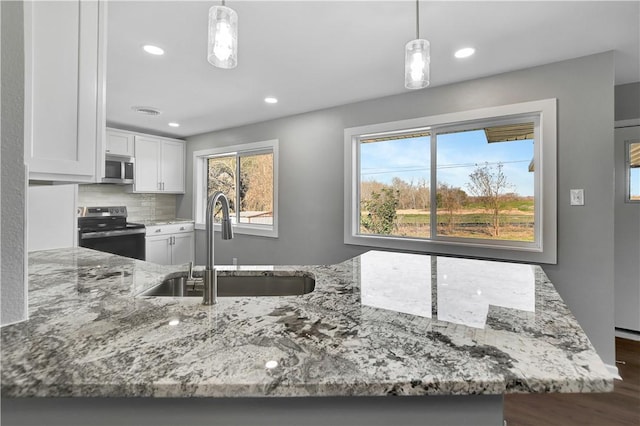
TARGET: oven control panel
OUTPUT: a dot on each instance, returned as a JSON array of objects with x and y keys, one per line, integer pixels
[{"x": 102, "y": 211}]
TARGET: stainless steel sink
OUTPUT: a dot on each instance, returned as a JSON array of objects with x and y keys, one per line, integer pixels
[{"x": 237, "y": 286}]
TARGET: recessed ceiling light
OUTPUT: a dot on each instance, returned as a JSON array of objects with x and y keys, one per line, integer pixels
[
  {"x": 174, "y": 124},
  {"x": 271, "y": 100},
  {"x": 154, "y": 50},
  {"x": 174, "y": 322},
  {"x": 465, "y": 53}
]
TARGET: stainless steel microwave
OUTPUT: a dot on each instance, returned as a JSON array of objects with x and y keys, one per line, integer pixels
[{"x": 118, "y": 170}]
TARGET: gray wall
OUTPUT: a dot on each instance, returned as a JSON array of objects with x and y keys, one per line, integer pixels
[
  {"x": 12, "y": 184},
  {"x": 311, "y": 177},
  {"x": 627, "y": 98}
]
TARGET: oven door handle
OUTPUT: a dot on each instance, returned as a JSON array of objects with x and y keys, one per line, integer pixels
[{"x": 114, "y": 233}]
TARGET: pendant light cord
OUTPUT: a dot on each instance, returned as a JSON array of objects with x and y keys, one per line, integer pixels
[{"x": 417, "y": 20}]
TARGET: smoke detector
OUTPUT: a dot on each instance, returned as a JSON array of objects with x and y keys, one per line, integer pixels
[{"x": 146, "y": 110}]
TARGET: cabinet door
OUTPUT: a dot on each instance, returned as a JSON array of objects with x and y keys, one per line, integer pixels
[
  {"x": 183, "y": 248},
  {"x": 147, "y": 167},
  {"x": 172, "y": 166},
  {"x": 43, "y": 236},
  {"x": 119, "y": 143},
  {"x": 158, "y": 249},
  {"x": 62, "y": 58}
]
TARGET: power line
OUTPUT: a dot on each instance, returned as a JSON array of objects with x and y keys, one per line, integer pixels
[{"x": 444, "y": 166}]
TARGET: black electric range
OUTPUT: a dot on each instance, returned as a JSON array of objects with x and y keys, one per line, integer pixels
[{"x": 106, "y": 229}]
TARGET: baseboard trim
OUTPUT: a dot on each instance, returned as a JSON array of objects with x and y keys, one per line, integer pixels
[{"x": 613, "y": 370}]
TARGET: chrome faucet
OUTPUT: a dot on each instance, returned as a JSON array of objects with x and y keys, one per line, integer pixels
[{"x": 210, "y": 296}]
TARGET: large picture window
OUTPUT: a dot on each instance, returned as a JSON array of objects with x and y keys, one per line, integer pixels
[
  {"x": 247, "y": 175},
  {"x": 470, "y": 183}
]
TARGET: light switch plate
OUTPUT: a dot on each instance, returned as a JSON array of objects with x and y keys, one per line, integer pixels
[{"x": 577, "y": 197}]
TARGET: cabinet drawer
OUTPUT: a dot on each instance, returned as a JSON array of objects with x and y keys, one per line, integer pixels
[{"x": 169, "y": 228}]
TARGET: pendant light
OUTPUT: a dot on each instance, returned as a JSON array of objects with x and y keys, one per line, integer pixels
[
  {"x": 417, "y": 59},
  {"x": 223, "y": 37}
]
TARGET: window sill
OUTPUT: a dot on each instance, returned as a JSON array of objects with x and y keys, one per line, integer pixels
[
  {"x": 258, "y": 231},
  {"x": 526, "y": 252}
]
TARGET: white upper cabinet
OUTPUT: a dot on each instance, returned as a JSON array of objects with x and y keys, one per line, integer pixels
[
  {"x": 119, "y": 143},
  {"x": 172, "y": 168},
  {"x": 65, "y": 50},
  {"x": 159, "y": 165},
  {"x": 147, "y": 168}
]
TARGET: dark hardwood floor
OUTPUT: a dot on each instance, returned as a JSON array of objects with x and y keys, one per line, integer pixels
[{"x": 619, "y": 408}]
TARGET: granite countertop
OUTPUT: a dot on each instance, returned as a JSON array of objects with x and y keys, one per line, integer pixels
[
  {"x": 378, "y": 324},
  {"x": 155, "y": 222}
]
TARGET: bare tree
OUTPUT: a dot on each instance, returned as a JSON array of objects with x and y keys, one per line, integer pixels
[
  {"x": 406, "y": 193},
  {"x": 423, "y": 193},
  {"x": 490, "y": 185},
  {"x": 256, "y": 178},
  {"x": 451, "y": 199}
]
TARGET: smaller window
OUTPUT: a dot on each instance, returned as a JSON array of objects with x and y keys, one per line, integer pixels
[
  {"x": 633, "y": 171},
  {"x": 247, "y": 175}
]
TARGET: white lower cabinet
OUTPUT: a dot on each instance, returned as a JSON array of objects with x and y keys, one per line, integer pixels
[{"x": 171, "y": 244}]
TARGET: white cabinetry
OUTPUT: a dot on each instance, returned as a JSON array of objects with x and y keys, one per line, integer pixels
[
  {"x": 171, "y": 244},
  {"x": 119, "y": 143},
  {"x": 159, "y": 165},
  {"x": 65, "y": 51}
]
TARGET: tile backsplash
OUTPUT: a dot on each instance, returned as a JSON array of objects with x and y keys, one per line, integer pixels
[{"x": 139, "y": 206}]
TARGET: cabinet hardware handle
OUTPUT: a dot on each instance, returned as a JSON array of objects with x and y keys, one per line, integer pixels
[
  {"x": 159, "y": 230},
  {"x": 182, "y": 228}
]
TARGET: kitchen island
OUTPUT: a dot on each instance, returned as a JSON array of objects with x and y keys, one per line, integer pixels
[{"x": 448, "y": 336}]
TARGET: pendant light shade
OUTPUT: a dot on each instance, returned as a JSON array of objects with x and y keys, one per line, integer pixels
[
  {"x": 417, "y": 59},
  {"x": 223, "y": 37}
]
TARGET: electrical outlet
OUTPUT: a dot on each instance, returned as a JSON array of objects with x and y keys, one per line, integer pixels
[
  {"x": 577, "y": 197},
  {"x": 235, "y": 260}
]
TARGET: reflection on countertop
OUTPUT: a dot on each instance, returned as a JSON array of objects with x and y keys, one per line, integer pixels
[{"x": 461, "y": 291}]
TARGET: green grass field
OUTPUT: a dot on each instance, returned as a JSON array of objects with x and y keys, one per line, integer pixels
[{"x": 516, "y": 222}]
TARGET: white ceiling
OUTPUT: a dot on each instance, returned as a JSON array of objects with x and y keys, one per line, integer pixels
[{"x": 318, "y": 54}]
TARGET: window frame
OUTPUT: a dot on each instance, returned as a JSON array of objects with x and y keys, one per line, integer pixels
[
  {"x": 542, "y": 250},
  {"x": 200, "y": 185}
]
